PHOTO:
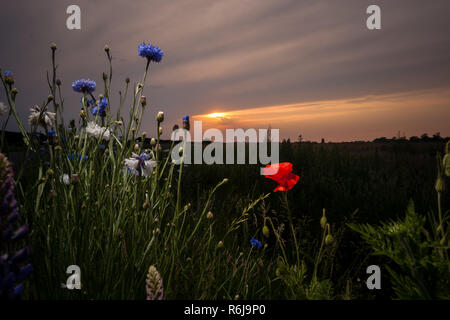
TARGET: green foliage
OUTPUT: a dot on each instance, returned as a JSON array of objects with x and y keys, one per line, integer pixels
[{"x": 421, "y": 268}]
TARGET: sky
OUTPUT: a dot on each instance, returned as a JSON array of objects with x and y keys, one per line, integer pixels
[{"x": 308, "y": 67}]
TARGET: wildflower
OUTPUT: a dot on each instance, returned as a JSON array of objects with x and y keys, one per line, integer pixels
[
  {"x": 154, "y": 284},
  {"x": 11, "y": 271},
  {"x": 52, "y": 133},
  {"x": 40, "y": 116},
  {"x": 9, "y": 79},
  {"x": 140, "y": 163},
  {"x": 65, "y": 179},
  {"x": 281, "y": 173},
  {"x": 75, "y": 178},
  {"x": 95, "y": 130},
  {"x": 85, "y": 86},
  {"x": 3, "y": 109},
  {"x": 152, "y": 53},
  {"x": 160, "y": 116},
  {"x": 186, "y": 124},
  {"x": 100, "y": 107},
  {"x": 78, "y": 157},
  {"x": 255, "y": 243}
]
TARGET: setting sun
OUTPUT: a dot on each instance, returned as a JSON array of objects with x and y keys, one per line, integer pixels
[{"x": 216, "y": 115}]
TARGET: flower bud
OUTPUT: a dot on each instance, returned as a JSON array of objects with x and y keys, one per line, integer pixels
[
  {"x": 127, "y": 80},
  {"x": 9, "y": 78},
  {"x": 83, "y": 114},
  {"x": 136, "y": 147},
  {"x": 58, "y": 82},
  {"x": 160, "y": 116},
  {"x": 160, "y": 131},
  {"x": 180, "y": 151},
  {"x": 144, "y": 135},
  {"x": 439, "y": 186},
  {"x": 209, "y": 215},
  {"x": 143, "y": 101},
  {"x": 50, "y": 172},
  {"x": 220, "y": 244},
  {"x": 106, "y": 48},
  {"x": 329, "y": 239},
  {"x": 266, "y": 231},
  {"x": 50, "y": 98},
  {"x": 323, "y": 220},
  {"x": 153, "y": 142},
  {"x": 105, "y": 76},
  {"x": 14, "y": 92},
  {"x": 53, "y": 46},
  {"x": 446, "y": 164}
]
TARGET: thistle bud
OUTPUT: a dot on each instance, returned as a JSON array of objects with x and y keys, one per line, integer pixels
[
  {"x": 14, "y": 92},
  {"x": 143, "y": 101},
  {"x": 160, "y": 116},
  {"x": 323, "y": 220},
  {"x": 209, "y": 215},
  {"x": 58, "y": 82},
  {"x": 106, "y": 48},
  {"x": 50, "y": 98},
  {"x": 53, "y": 46},
  {"x": 127, "y": 80}
]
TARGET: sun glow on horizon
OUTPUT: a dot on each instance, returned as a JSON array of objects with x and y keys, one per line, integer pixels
[{"x": 216, "y": 115}]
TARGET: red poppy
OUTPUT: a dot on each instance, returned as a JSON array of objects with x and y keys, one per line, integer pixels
[{"x": 281, "y": 173}]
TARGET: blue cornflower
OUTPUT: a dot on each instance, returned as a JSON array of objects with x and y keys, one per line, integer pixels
[
  {"x": 255, "y": 243},
  {"x": 9, "y": 77},
  {"x": 100, "y": 107},
  {"x": 152, "y": 53},
  {"x": 78, "y": 157},
  {"x": 52, "y": 133},
  {"x": 186, "y": 124},
  {"x": 102, "y": 146},
  {"x": 83, "y": 85}
]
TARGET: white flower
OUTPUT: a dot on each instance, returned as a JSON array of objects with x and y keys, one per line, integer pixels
[
  {"x": 95, "y": 130},
  {"x": 40, "y": 116},
  {"x": 3, "y": 109},
  {"x": 65, "y": 179},
  {"x": 140, "y": 162}
]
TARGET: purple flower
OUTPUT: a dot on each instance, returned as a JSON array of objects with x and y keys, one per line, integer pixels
[
  {"x": 11, "y": 272},
  {"x": 152, "y": 53},
  {"x": 86, "y": 86}
]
